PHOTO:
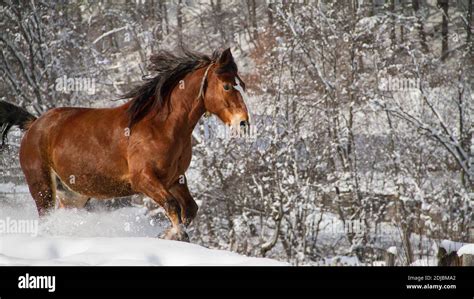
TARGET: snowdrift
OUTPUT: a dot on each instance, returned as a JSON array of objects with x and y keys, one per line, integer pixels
[
  {"x": 123, "y": 251},
  {"x": 125, "y": 236}
]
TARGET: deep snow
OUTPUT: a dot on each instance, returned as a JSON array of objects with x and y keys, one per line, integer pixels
[
  {"x": 125, "y": 236},
  {"x": 119, "y": 251}
]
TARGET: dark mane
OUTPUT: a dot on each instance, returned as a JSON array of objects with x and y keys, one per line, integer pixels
[{"x": 170, "y": 67}]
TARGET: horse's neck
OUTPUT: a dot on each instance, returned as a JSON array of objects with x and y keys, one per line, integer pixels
[
  {"x": 180, "y": 113},
  {"x": 185, "y": 110}
]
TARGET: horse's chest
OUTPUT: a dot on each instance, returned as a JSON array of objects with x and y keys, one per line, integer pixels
[
  {"x": 169, "y": 160},
  {"x": 181, "y": 164}
]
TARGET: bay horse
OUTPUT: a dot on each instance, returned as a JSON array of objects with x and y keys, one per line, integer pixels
[{"x": 142, "y": 146}]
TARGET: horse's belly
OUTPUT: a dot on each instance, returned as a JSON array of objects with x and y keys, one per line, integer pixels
[
  {"x": 97, "y": 185},
  {"x": 98, "y": 172},
  {"x": 98, "y": 177}
]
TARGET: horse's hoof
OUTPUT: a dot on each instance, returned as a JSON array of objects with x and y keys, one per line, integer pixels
[
  {"x": 175, "y": 235},
  {"x": 183, "y": 237}
]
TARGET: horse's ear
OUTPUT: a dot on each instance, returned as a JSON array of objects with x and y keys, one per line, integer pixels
[
  {"x": 226, "y": 63},
  {"x": 225, "y": 57}
]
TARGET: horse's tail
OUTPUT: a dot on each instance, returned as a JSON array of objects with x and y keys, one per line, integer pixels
[{"x": 11, "y": 115}]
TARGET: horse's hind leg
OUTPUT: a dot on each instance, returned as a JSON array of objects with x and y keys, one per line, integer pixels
[
  {"x": 68, "y": 198},
  {"x": 42, "y": 188}
]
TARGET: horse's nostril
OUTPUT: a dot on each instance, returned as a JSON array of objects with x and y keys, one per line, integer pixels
[{"x": 244, "y": 123}]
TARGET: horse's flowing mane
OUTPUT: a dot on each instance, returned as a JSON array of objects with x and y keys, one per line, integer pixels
[{"x": 170, "y": 67}]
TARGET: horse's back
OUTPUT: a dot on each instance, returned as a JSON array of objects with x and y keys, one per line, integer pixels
[
  {"x": 38, "y": 136},
  {"x": 45, "y": 130}
]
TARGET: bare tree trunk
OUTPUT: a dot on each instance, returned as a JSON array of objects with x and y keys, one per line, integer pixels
[
  {"x": 252, "y": 14},
  {"x": 402, "y": 30},
  {"x": 393, "y": 35},
  {"x": 419, "y": 22},
  {"x": 469, "y": 24},
  {"x": 179, "y": 20},
  {"x": 401, "y": 217},
  {"x": 389, "y": 259},
  {"x": 159, "y": 22},
  {"x": 218, "y": 24},
  {"x": 371, "y": 8},
  {"x": 444, "y": 5},
  {"x": 253, "y": 6},
  {"x": 216, "y": 8},
  {"x": 164, "y": 11},
  {"x": 270, "y": 13}
]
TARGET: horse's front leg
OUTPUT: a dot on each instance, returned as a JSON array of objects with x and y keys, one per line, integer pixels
[
  {"x": 189, "y": 207},
  {"x": 149, "y": 184}
]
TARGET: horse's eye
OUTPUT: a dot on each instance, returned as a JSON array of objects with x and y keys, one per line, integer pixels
[{"x": 227, "y": 87}]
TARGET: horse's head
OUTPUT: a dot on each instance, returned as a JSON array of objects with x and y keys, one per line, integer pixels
[{"x": 225, "y": 92}]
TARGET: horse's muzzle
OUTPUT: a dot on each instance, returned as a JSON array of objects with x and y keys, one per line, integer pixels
[{"x": 244, "y": 124}]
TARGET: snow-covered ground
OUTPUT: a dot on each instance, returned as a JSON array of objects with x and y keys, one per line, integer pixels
[
  {"x": 466, "y": 249},
  {"x": 120, "y": 251},
  {"x": 125, "y": 236},
  {"x": 128, "y": 236}
]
